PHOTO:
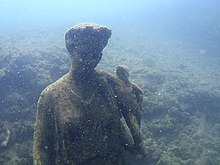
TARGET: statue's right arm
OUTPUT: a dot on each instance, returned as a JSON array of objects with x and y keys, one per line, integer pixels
[{"x": 43, "y": 147}]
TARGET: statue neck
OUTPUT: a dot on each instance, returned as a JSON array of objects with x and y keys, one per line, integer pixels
[{"x": 82, "y": 76}]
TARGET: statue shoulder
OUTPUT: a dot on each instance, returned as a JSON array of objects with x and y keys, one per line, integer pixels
[
  {"x": 55, "y": 88},
  {"x": 137, "y": 89},
  {"x": 107, "y": 77}
]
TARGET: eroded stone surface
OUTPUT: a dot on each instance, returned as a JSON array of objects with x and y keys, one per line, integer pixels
[
  {"x": 79, "y": 116},
  {"x": 87, "y": 38}
]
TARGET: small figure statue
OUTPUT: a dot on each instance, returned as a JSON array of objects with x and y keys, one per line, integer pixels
[
  {"x": 131, "y": 99},
  {"x": 122, "y": 73},
  {"x": 79, "y": 116}
]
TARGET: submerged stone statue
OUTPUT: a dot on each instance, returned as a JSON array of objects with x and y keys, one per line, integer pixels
[{"x": 79, "y": 117}]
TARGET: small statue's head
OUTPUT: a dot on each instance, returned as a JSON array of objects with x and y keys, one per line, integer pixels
[
  {"x": 85, "y": 43},
  {"x": 123, "y": 73}
]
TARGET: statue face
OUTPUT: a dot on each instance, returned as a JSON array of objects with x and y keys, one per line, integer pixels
[
  {"x": 89, "y": 61},
  {"x": 85, "y": 43}
]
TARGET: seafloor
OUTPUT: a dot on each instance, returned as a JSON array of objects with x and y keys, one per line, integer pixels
[{"x": 181, "y": 83}]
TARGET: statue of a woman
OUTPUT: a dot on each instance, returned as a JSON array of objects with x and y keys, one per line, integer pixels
[{"x": 79, "y": 116}]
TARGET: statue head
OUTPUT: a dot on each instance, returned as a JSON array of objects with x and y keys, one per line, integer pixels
[
  {"x": 122, "y": 73},
  {"x": 85, "y": 43}
]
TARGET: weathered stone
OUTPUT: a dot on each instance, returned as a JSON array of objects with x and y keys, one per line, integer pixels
[
  {"x": 87, "y": 38},
  {"x": 79, "y": 116}
]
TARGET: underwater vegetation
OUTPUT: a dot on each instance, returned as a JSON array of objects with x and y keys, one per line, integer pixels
[{"x": 181, "y": 118}]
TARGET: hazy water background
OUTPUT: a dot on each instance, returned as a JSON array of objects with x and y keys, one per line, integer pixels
[
  {"x": 189, "y": 21},
  {"x": 171, "y": 47}
]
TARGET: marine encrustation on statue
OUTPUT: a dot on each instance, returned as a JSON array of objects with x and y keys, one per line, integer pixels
[{"x": 79, "y": 117}]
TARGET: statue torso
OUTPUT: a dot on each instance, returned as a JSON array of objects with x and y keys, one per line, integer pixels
[{"x": 87, "y": 118}]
